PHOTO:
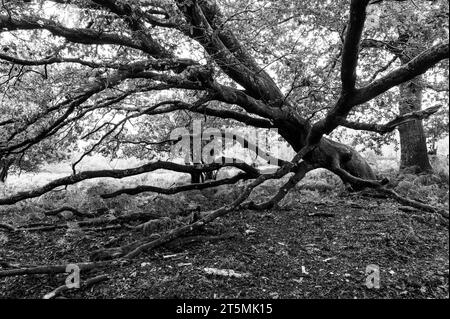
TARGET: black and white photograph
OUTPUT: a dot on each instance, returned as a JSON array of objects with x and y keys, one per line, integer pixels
[{"x": 224, "y": 155}]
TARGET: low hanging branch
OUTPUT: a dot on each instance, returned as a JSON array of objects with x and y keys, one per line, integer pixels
[
  {"x": 391, "y": 125},
  {"x": 132, "y": 250},
  {"x": 178, "y": 189},
  {"x": 73, "y": 179},
  {"x": 300, "y": 172}
]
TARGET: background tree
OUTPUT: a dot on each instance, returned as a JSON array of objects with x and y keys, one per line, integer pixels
[{"x": 403, "y": 39}]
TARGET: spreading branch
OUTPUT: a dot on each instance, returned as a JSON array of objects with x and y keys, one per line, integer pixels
[
  {"x": 417, "y": 66},
  {"x": 118, "y": 174},
  {"x": 350, "y": 50},
  {"x": 392, "y": 125},
  {"x": 78, "y": 35}
]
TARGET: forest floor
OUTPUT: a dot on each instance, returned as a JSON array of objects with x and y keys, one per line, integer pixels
[{"x": 317, "y": 246}]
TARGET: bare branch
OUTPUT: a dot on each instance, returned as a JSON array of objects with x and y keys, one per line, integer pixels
[{"x": 390, "y": 46}]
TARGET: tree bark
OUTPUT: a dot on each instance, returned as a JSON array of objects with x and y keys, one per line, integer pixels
[
  {"x": 330, "y": 153},
  {"x": 5, "y": 165},
  {"x": 412, "y": 137}
]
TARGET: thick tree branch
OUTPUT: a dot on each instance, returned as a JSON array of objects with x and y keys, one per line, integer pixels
[
  {"x": 79, "y": 35},
  {"x": 71, "y": 103},
  {"x": 235, "y": 115},
  {"x": 222, "y": 46},
  {"x": 350, "y": 50},
  {"x": 76, "y": 178},
  {"x": 178, "y": 189},
  {"x": 406, "y": 72},
  {"x": 300, "y": 172},
  {"x": 162, "y": 64},
  {"x": 417, "y": 66},
  {"x": 134, "y": 250},
  {"x": 391, "y": 125}
]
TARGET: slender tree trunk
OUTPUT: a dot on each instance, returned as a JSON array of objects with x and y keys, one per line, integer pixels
[
  {"x": 5, "y": 165},
  {"x": 412, "y": 137}
]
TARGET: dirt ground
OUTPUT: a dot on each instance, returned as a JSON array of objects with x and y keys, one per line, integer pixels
[{"x": 310, "y": 249}]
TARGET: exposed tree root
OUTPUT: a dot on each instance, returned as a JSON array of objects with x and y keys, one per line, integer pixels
[
  {"x": 378, "y": 186},
  {"x": 409, "y": 202},
  {"x": 86, "y": 284}
]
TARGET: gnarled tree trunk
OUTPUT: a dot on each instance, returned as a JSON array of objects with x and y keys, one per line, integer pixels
[{"x": 330, "y": 153}]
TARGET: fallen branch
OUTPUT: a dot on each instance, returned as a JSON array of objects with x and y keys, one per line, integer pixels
[
  {"x": 225, "y": 272},
  {"x": 105, "y": 228},
  {"x": 96, "y": 222},
  {"x": 7, "y": 227},
  {"x": 51, "y": 269},
  {"x": 86, "y": 284},
  {"x": 44, "y": 228},
  {"x": 182, "y": 241},
  {"x": 132, "y": 250},
  {"x": 300, "y": 172},
  {"x": 154, "y": 224},
  {"x": 34, "y": 225},
  {"x": 76, "y": 212},
  {"x": 321, "y": 215}
]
